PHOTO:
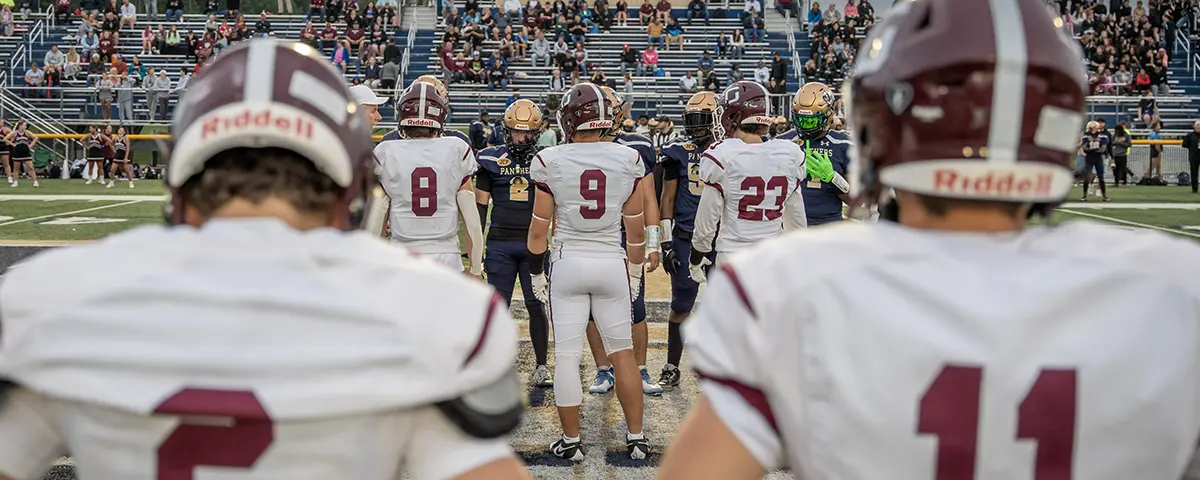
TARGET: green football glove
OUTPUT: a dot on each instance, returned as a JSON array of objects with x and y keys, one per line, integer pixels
[{"x": 817, "y": 164}]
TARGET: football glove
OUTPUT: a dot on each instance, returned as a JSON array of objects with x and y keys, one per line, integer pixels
[
  {"x": 817, "y": 164},
  {"x": 670, "y": 261},
  {"x": 635, "y": 277},
  {"x": 541, "y": 288},
  {"x": 697, "y": 266}
]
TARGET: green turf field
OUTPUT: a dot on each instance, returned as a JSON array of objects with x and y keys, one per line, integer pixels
[{"x": 66, "y": 210}]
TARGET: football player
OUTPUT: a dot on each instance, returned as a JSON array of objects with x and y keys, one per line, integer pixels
[
  {"x": 268, "y": 343},
  {"x": 929, "y": 352},
  {"x": 682, "y": 187},
  {"x": 433, "y": 81},
  {"x": 591, "y": 186},
  {"x": 753, "y": 181},
  {"x": 503, "y": 178},
  {"x": 641, "y": 332},
  {"x": 825, "y": 153},
  {"x": 427, "y": 176}
]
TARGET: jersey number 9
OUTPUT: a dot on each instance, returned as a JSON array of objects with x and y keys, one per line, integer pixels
[{"x": 592, "y": 184}]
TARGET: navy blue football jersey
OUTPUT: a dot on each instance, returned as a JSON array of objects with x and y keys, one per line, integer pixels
[
  {"x": 822, "y": 203},
  {"x": 395, "y": 135},
  {"x": 681, "y": 161},
  {"x": 643, "y": 146},
  {"x": 512, "y": 198}
]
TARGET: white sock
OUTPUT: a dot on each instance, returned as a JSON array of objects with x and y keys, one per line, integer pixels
[
  {"x": 642, "y": 367},
  {"x": 634, "y": 436},
  {"x": 570, "y": 439},
  {"x": 603, "y": 369}
]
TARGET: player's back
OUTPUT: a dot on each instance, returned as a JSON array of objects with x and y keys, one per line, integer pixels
[
  {"x": 249, "y": 350},
  {"x": 1067, "y": 352},
  {"x": 683, "y": 158},
  {"x": 422, "y": 178},
  {"x": 590, "y": 183},
  {"x": 756, "y": 180}
]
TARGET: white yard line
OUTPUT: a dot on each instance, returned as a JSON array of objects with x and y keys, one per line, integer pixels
[
  {"x": 1133, "y": 206},
  {"x": 1132, "y": 224},
  {"x": 85, "y": 198},
  {"x": 60, "y": 214}
]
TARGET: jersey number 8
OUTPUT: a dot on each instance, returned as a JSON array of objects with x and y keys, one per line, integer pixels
[{"x": 424, "y": 191}]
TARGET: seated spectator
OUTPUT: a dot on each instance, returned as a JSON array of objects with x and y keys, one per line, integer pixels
[
  {"x": 520, "y": 43},
  {"x": 72, "y": 63},
  {"x": 53, "y": 57},
  {"x": 866, "y": 11},
  {"x": 486, "y": 19},
  {"x": 654, "y": 33},
  {"x": 698, "y": 9},
  {"x": 211, "y": 7},
  {"x": 850, "y": 11},
  {"x": 390, "y": 72},
  {"x": 329, "y": 36},
  {"x": 622, "y": 14},
  {"x": 35, "y": 78},
  {"x": 1148, "y": 109},
  {"x": 341, "y": 55},
  {"x": 371, "y": 73},
  {"x": 541, "y": 50},
  {"x": 649, "y": 63},
  {"x": 569, "y": 66},
  {"x": 688, "y": 83},
  {"x": 577, "y": 29},
  {"x": 111, "y": 23},
  {"x": 388, "y": 10},
  {"x": 119, "y": 65},
  {"x": 262, "y": 27},
  {"x": 512, "y": 11},
  {"x": 95, "y": 69},
  {"x": 762, "y": 74},
  {"x": 663, "y": 11},
  {"x": 1107, "y": 83},
  {"x": 810, "y": 68},
  {"x": 308, "y": 34},
  {"x": 674, "y": 33},
  {"x": 629, "y": 59},
  {"x": 62, "y": 11},
  {"x": 557, "y": 84},
  {"x": 788, "y": 8},
  {"x": 705, "y": 63},
  {"x": 476, "y": 69},
  {"x": 598, "y": 76},
  {"x": 107, "y": 46},
  {"x": 752, "y": 27},
  {"x": 711, "y": 82},
  {"x": 735, "y": 74},
  {"x": 737, "y": 44},
  {"x": 174, "y": 10},
  {"x": 135, "y": 68},
  {"x": 356, "y": 37},
  {"x": 450, "y": 17},
  {"x": 128, "y": 13},
  {"x": 831, "y": 14},
  {"x": 561, "y": 47},
  {"x": 601, "y": 17},
  {"x": 581, "y": 58},
  {"x": 646, "y": 12},
  {"x": 147, "y": 40},
  {"x": 497, "y": 72},
  {"x": 8, "y": 26},
  {"x": 815, "y": 16}
]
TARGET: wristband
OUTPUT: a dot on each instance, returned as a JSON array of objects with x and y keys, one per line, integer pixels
[
  {"x": 635, "y": 270},
  {"x": 652, "y": 237},
  {"x": 537, "y": 262},
  {"x": 665, "y": 228}
]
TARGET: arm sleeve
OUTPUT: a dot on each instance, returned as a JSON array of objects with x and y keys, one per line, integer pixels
[
  {"x": 483, "y": 180},
  {"x": 469, "y": 211},
  {"x": 29, "y": 434},
  {"x": 708, "y": 217},
  {"x": 723, "y": 339},
  {"x": 440, "y": 450},
  {"x": 670, "y": 170},
  {"x": 794, "y": 215},
  {"x": 539, "y": 173}
]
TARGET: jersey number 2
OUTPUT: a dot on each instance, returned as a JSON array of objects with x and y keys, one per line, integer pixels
[
  {"x": 230, "y": 429},
  {"x": 756, "y": 188},
  {"x": 950, "y": 410},
  {"x": 592, "y": 185},
  {"x": 424, "y": 191}
]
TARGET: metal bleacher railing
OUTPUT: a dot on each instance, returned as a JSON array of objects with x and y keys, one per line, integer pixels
[{"x": 406, "y": 59}]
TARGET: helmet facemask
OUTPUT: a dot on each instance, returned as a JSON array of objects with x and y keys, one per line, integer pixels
[{"x": 698, "y": 126}]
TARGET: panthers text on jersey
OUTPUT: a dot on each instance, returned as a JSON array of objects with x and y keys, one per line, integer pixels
[
  {"x": 1057, "y": 352},
  {"x": 681, "y": 162},
  {"x": 822, "y": 200},
  {"x": 511, "y": 192},
  {"x": 422, "y": 178},
  {"x": 590, "y": 183},
  {"x": 251, "y": 351},
  {"x": 750, "y": 186}
]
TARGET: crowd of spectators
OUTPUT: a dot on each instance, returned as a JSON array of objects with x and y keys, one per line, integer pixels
[{"x": 834, "y": 36}]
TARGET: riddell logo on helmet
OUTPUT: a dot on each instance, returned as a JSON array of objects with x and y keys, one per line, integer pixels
[
  {"x": 992, "y": 183},
  {"x": 598, "y": 124},
  {"x": 286, "y": 124},
  {"x": 420, "y": 122}
]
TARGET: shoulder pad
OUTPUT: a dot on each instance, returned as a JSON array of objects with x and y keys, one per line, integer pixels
[{"x": 490, "y": 411}]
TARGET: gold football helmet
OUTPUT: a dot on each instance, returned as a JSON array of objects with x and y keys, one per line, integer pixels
[
  {"x": 618, "y": 108},
  {"x": 698, "y": 116},
  {"x": 522, "y": 116},
  {"x": 437, "y": 84},
  {"x": 813, "y": 109},
  {"x": 628, "y": 125}
]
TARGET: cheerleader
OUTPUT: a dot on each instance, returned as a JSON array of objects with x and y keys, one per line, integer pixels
[
  {"x": 4, "y": 151},
  {"x": 121, "y": 150},
  {"x": 22, "y": 142},
  {"x": 95, "y": 142}
]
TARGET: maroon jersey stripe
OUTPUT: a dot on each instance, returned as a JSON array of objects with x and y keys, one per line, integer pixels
[
  {"x": 487, "y": 326},
  {"x": 753, "y": 397},
  {"x": 737, "y": 287}
]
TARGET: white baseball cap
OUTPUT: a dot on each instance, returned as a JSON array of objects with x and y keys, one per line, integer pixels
[{"x": 365, "y": 96}]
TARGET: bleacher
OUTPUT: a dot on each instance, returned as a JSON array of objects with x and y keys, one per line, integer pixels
[
  {"x": 11, "y": 47},
  {"x": 77, "y": 104},
  {"x": 653, "y": 95}
]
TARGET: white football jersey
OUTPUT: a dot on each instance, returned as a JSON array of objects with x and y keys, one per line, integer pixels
[
  {"x": 422, "y": 178},
  {"x": 245, "y": 350},
  {"x": 590, "y": 183},
  {"x": 755, "y": 180},
  {"x": 1060, "y": 352}
]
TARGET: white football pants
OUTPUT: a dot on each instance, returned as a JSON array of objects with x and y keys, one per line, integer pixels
[
  {"x": 581, "y": 287},
  {"x": 452, "y": 260}
]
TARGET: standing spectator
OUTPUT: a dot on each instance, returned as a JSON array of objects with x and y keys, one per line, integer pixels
[
  {"x": 556, "y": 80},
  {"x": 674, "y": 33},
  {"x": 688, "y": 83},
  {"x": 284, "y": 4},
  {"x": 7, "y": 25},
  {"x": 389, "y": 73},
  {"x": 629, "y": 59},
  {"x": 778, "y": 83},
  {"x": 53, "y": 57},
  {"x": 622, "y": 15},
  {"x": 104, "y": 93},
  {"x": 698, "y": 9},
  {"x": 654, "y": 33},
  {"x": 751, "y": 6},
  {"x": 1122, "y": 142},
  {"x": 479, "y": 131},
  {"x": 151, "y": 93},
  {"x": 1156, "y": 151},
  {"x": 174, "y": 10},
  {"x": 627, "y": 87},
  {"x": 646, "y": 12},
  {"x": 752, "y": 26},
  {"x": 124, "y": 88},
  {"x": 541, "y": 50},
  {"x": 316, "y": 9},
  {"x": 53, "y": 80},
  {"x": 35, "y": 79},
  {"x": 762, "y": 74},
  {"x": 649, "y": 63},
  {"x": 211, "y": 7},
  {"x": 663, "y": 10},
  {"x": 329, "y": 36},
  {"x": 162, "y": 86},
  {"x": 392, "y": 52},
  {"x": 151, "y": 8},
  {"x": 128, "y": 14},
  {"x": 185, "y": 77},
  {"x": 1191, "y": 144},
  {"x": 233, "y": 8}
]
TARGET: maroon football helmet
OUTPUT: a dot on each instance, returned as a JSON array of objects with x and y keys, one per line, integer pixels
[
  {"x": 422, "y": 105},
  {"x": 967, "y": 99},
  {"x": 265, "y": 93},
  {"x": 585, "y": 107},
  {"x": 743, "y": 103}
]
